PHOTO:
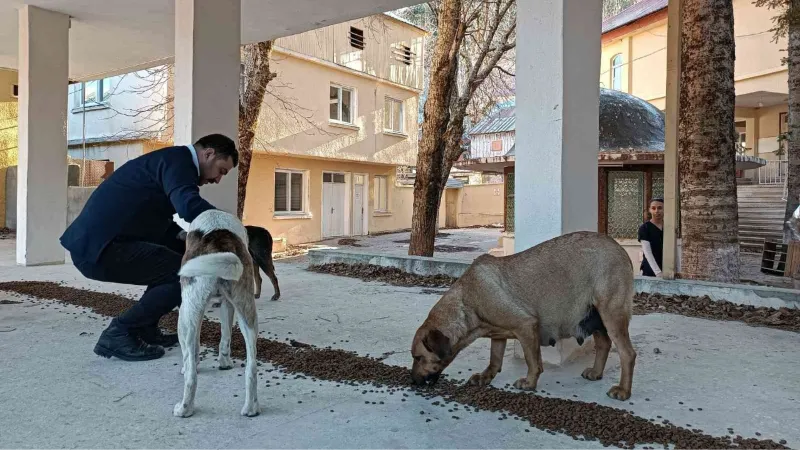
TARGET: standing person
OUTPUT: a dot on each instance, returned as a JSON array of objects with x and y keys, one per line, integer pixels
[
  {"x": 126, "y": 234},
  {"x": 651, "y": 235}
]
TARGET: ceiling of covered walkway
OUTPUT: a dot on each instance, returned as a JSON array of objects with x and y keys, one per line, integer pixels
[{"x": 110, "y": 37}]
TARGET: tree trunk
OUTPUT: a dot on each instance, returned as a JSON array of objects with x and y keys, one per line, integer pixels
[
  {"x": 251, "y": 96},
  {"x": 428, "y": 182},
  {"x": 793, "y": 154},
  {"x": 706, "y": 144}
]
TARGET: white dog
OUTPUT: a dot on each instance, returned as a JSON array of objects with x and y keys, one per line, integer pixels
[{"x": 217, "y": 264}]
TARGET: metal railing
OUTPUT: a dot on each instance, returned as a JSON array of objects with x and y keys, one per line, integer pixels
[{"x": 773, "y": 173}]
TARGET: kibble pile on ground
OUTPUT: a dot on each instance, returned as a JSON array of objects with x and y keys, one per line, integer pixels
[
  {"x": 580, "y": 420},
  {"x": 783, "y": 318}
]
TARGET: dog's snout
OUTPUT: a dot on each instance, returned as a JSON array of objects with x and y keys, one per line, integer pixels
[{"x": 432, "y": 378}]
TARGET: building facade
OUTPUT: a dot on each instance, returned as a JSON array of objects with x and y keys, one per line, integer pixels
[
  {"x": 634, "y": 60},
  {"x": 336, "y": 122}
]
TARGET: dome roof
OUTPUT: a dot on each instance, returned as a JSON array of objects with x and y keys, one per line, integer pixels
[{"x": 628, "y": 123}]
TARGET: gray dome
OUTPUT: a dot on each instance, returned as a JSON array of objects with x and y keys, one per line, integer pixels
[{"x": 628, "y": 123}]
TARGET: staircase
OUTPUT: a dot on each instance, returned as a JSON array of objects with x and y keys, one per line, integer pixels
[{"x": 761, "y": 212}]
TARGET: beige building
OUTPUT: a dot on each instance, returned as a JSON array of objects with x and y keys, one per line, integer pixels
[
  {"x": 634, "y": 60},
  {"x": 338, "y": 120}
]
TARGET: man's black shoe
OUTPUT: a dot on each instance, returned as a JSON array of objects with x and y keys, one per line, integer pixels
[
  {"x": 119, "y": 343},
  {"x": 154, "y": 336}
]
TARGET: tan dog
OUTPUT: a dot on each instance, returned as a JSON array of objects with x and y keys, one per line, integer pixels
[
  {"x": 576, "y": 285},
  {"x": 217, "y": 264}
]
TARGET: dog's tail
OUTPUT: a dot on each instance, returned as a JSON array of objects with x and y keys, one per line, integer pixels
[{"x": 224, "y": 265}]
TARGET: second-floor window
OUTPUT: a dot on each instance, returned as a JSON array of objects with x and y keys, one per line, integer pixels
[
  {"x": 341, "y": 104},
  {"x": 616, "y": 72},
  {"x": 393, "y": 115},
  {"x": 92, "y": 93}
]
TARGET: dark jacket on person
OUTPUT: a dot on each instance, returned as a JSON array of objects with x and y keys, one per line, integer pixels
[{"x": 137, "y": 203}]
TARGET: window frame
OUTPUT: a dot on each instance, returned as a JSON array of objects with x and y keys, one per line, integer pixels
[
  {"x": 303, "y": 193},
  {"x": 377, "y": 193},
  {"x": 79, "y": 95},
  {"x": 614, "y": 67},
  {"x": 353, "y": 103},
  {"x": 392, "y": 101}
]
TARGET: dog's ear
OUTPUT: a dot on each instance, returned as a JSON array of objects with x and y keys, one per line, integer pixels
[
  {"x": 182, "y": 235},
  {"x": 437, "y": 343}
]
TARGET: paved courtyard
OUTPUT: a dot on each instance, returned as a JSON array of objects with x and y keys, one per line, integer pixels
[
  {"x": 57, "y": 393},
  {"x": 464, "y": 243}
]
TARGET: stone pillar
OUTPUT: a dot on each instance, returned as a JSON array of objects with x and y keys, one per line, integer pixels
[
  {"x": 671, "y": 257},
  {"x": 42, "y": 175},
  {"x": 558, "y": 101},
  {"x": 207, "y": 61},
  {"x": 558, "y": 94}
]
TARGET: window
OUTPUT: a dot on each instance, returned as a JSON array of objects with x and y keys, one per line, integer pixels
[
  {"x": 381, "y": 194},
  {"x": 497, "y": 145},
  {"x": 333, "y": 178},
  {"x": 403, "y": 54},
  {"x": 341, "y": 100},
  {"x": 289, "y": 192},
  {"x": 357, "y": 38},
  {"x": 92, "y": 93},
  {"x": 616, "y": 72},
  {"x": 393, "y": 115}
]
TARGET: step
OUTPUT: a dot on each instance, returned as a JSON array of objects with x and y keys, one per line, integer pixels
[
  {"x": 754, "y": 199},
  {"x": 762, "y": 212},
  {"x": 758, "y": 221},
  {"x": 754, "y": 231},
  {"x": 766, "y": 204},
  {"x": 759, "y": 236}
]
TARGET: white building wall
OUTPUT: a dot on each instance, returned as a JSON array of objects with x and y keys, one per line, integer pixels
[{"x": 481, "y": 144}]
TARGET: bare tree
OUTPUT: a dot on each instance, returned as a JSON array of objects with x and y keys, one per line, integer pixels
[
  {"x": 787, "y": 23},
  {"x": 154, "y": 119},
  {"x": 475, "y": 40},
  {"x": 255, "y": 79}
]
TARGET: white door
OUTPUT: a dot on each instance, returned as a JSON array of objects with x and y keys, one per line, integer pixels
[
  {"x": 334, "y": 192},
  {"x": 359, "y": 185}
]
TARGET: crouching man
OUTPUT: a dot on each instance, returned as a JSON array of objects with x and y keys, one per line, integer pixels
[{"x": 126, "y": 234}]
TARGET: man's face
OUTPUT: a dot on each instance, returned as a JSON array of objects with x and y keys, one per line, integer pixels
[
  {"x": 657, "y": 210},
  {"x": 214, "y": 168}
]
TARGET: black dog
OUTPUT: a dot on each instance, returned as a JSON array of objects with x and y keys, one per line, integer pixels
[{"x": 260, "y": 247}]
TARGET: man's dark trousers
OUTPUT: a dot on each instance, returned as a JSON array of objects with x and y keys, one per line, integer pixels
[{"x": 141, "y": 263}]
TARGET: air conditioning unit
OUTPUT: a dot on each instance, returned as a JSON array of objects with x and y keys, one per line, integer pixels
[{"x": 15, "y": 91}]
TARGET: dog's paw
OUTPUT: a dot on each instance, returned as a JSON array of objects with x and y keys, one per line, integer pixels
[
  {"x": 257, "y": 295},
  {"x": 275, "y": 297},
  {"x": 225, "y": 363},
  {"x": 480, "y": 379},
  {"x": 525, "y": 385},
  {"x": 251, "y": 409},
  {"x": 591, "y": 374},
  {"x": 619, "y": 393},
  {"x": 182, "y": 410}
]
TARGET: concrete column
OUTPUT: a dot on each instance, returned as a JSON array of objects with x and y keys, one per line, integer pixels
[
  {"x": 558, "y": 101},
  {"x": 671, "y": 176},
  {"x": 207, "y": 59},
  {"x": 42, "y": 175}
]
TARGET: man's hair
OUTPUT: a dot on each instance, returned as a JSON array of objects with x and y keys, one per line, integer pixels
[
  {"x": 222, "y": 145},
  {"x": 657, "y": 199}
]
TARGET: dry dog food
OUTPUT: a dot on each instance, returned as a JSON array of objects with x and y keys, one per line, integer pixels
[{"x": 580, "y": 420}]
